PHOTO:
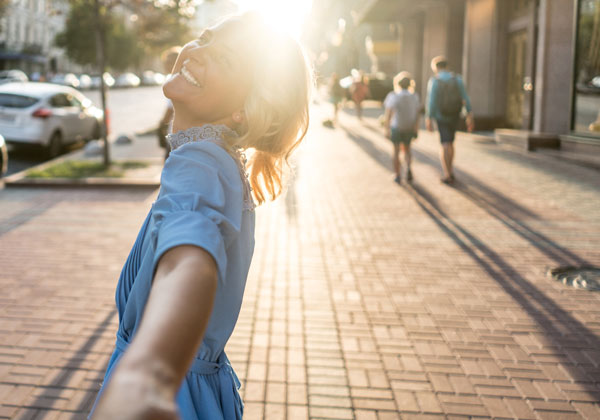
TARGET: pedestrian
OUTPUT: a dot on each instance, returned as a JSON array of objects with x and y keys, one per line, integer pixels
[
  {"x": 168, "y": 59},
  {"x": 401, "y": 121},
  {"x": 180, "y": 291},
  {"x": 359, "y": 91},
  {"x": 446, "y": 96},
  {"x": 336, "y": 95}
]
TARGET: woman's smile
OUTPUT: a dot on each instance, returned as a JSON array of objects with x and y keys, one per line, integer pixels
[{"x": 188, "y": 76}]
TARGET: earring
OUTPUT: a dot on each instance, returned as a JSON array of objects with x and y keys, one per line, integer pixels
[{"x": 237, "y": 117}]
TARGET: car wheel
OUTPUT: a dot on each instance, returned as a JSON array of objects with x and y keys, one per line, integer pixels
[{"x": 54, "y": 145}]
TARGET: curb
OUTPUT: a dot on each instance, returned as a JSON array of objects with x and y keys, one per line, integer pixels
[{"x": 19, "y": 179}]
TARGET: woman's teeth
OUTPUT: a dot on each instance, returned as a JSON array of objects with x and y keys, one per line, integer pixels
[{"x": 188, "y": 76}]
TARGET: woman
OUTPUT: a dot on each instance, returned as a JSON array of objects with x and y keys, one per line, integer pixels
[{"x": 181, "y": 288}]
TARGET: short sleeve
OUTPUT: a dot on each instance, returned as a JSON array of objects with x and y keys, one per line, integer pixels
[
  {"x": 389, "y": 100},
  {"x": 200, "y": 202}
]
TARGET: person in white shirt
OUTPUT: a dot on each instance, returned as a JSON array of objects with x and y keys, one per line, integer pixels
[{"x": 402, "y": 121}]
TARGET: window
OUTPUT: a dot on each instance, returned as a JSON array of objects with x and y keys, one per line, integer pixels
[
  {"x": 60, "y": 101},
  {"x": 586, "y": 115},
  {"x": 9, "y": 100}
]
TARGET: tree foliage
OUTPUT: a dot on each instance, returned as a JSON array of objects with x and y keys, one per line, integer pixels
[{"x": 133, "y": 29}]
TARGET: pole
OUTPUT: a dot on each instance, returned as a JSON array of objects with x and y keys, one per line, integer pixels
[{"x": 101, "y": 58}]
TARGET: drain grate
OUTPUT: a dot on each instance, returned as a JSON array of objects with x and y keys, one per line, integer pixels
[{"x": 587, "y": 278}]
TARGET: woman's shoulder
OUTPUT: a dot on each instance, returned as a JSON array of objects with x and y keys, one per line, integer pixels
[{"x": 195, "y": 154}]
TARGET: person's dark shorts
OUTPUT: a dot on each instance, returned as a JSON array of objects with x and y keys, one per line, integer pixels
[
  {"x": 447, "y": 130},
  {"x": 403, "y": 137}
]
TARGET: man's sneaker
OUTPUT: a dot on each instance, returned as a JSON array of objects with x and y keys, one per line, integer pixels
[
  {"x": 397, "y": 179},
  {"x": 409, "y": 176}
]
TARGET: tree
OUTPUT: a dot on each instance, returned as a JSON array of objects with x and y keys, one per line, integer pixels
[
  {"x": 154, "y": 27},
  {"x": 162, "y": 24},
  {"x": 78, "y": 38}
]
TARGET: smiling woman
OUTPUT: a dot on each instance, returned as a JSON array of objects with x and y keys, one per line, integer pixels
[{"x": 239, "y": 87}]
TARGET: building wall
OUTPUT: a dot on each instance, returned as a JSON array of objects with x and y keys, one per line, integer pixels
[
  {"x": 34, "y": 23},
  {"x": 484, "y": 64},
  {"x": 554, "y": 74},
  {"x": 434, "y": 38},
  {"x": 411, "y": 51}
]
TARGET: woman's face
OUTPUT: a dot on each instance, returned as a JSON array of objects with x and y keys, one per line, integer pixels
[{"x": 211, "y": 77}]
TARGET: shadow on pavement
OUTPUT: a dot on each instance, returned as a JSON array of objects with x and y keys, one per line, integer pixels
[
  {"x": 563, "y": 330},
  {"x": 508, "y": 213},
  {"x": 559, "y": 327},
  {"x": 24, "y": 216},
  {"x": 71, "y": 368}
]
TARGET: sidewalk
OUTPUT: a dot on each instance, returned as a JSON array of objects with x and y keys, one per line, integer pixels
[{"x": 366, "y": 300}]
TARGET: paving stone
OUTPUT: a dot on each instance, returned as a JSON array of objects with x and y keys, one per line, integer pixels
[{"x": 365, "y": 299}]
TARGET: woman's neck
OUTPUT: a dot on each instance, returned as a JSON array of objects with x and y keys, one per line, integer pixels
[{"x": 182, "y": 122}]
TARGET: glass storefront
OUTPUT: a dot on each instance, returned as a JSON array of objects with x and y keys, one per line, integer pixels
[{"x": 586, "y": 117}]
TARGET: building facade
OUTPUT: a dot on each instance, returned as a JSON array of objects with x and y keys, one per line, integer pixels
[
  {"x": 28, "y": 28},
  {"x": 529, "y": 65}
]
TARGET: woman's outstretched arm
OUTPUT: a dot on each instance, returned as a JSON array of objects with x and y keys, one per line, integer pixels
[{"x": 146, "y": 379}]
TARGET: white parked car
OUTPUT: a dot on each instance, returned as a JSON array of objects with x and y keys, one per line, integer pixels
[
  {"x": 150, "y": 78},
  {"x": 127, "y": 80},
  {"x": 109, "y": 81},
  {"x": 68, "y": 79},
  {"x": 47, "y": 115},
  {"x": 85, "y": 81},
  {"x": 7, "y": 76}
]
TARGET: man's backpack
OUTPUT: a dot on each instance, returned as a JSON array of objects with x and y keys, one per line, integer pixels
[{"x": 449, "y": 97}]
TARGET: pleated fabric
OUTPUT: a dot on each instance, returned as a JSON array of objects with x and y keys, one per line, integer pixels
[{"x": 201, "y": 203}]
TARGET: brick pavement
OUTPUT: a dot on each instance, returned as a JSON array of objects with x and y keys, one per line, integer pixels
[{"x": 366, "y": 299}]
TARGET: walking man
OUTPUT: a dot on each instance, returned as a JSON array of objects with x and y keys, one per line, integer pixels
[{"x": 446, "y": 96}]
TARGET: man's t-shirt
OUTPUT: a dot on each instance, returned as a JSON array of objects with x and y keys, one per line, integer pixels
[{"x": 405, "y": 109}]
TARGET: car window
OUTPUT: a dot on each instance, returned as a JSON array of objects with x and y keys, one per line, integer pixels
[
  {"x": 74, "y": 101},
  {"x": 60, "y": 101},
  {"x": 8, "y": 100}
]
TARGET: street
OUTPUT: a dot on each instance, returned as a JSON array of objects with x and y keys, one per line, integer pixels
[
  {"x": 130, "y": 110},
  {"x": 366, "y": 299}
]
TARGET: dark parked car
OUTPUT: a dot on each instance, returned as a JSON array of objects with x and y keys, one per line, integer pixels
[{"x": 3, "y": 157}]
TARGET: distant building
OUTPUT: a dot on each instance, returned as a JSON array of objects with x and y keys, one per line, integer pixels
[
  {"x": 530, "y": 65},
  {"x": 27, "y": 35},
  {"x": 333, "y": 34}
]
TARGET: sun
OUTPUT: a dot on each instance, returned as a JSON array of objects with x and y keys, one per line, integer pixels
[{"x": 285, "y": 15}]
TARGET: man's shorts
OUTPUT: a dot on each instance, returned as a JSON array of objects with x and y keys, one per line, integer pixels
[
  {"x": 403, "y": 137},
  {"x": 447, "y": 130}
]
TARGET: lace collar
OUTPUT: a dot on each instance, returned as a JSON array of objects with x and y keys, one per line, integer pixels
[
  {"x": 217, "y": 134},
  {"x": 211, "y": 132}
]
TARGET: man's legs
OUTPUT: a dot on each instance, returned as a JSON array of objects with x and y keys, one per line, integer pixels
[
  {"x": 397, "y": 161},
  {"x": 447, "y": 132},
  {"x": 446, "y": 156},
  {"x": 407, "y": 160}
]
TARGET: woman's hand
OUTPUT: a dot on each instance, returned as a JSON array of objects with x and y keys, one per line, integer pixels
[{"x": 135, "y": 395}]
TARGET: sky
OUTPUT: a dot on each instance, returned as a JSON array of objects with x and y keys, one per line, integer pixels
[{"x": 286, "y": 15}]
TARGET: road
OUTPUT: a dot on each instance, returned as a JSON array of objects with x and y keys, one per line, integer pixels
[{"x": 131, "y": 110}]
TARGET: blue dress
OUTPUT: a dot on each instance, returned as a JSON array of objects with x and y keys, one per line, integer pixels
[{"x": 204, "y": 201}]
